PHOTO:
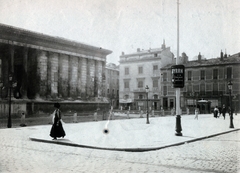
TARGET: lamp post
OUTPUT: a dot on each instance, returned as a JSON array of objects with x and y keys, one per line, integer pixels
[
  {"x": 1, "y": 87},
  {"x": 10, "y": 79},
  {"x": 230, "y": 100},
  {"x": 147, "y": 90}
]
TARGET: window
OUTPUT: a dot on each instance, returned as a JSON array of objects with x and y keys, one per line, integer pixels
[
  {"x": 229, "y": 72},
  {"x": 126, "y": 84},
  {"x": 215, "y": 89},
  {"x": 202, "y": 74},
  {"x": 140, "y": 70},
  {"x": 202, "y": 89},
  {"x": 155, "y": 83},
  {"x": 140, "y": 84},
  {"x": 155, "y": 67},
  {"x": 140, "y": 96},
  {"x": 189, "y": 88},
  {"x": 126, "y": 71},
  {"x": 189, "y": 75},
  {"x": 164, "y": 90},
  {"x": 215, "y": 73},
  {"x": 164, "y": 76}
]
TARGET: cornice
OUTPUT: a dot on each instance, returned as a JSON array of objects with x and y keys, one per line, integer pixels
[{"x": 25, "y": 37}]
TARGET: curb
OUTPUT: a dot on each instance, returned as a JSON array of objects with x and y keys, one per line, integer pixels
[{"x": 59, "y": 142}]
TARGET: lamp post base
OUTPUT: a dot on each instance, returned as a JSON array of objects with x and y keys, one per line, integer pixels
[
  {"x": 178, "y": 126},
  {"x": 231, "y": 121}
]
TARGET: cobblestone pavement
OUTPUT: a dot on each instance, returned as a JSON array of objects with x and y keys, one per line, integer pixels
[{"x": 20, "y": 155}]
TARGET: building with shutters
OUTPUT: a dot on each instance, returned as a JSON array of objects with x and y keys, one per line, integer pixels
[
  {"x": 206, "y": 83},
  {"x": 138, "y": 70}
]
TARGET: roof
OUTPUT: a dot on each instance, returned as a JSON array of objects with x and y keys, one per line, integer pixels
[
  {"x": 233, "y": 59},
  {"x": 14, "y": 35}
]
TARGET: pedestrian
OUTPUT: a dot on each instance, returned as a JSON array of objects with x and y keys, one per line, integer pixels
[
  {"x": 95, "y": 116},
  {"x": 224, "y": 111},
  {"x": 196, "y": 113},
  {"x": 57, "y": 130},
  {"x": 128, "y": 114},
  {"x": 216, "y": 112}
]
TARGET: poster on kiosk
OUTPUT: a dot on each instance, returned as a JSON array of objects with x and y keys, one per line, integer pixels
[{"x": 178, "y": 76}]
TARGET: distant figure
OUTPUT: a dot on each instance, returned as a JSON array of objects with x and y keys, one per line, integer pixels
[
  {"x": 162, "y": 111},
  {"x": 57, "y": 130},
  {"x": 95, "y": 116},
  {"x": 187, "y": 111},
  {"x": 23, "y": 120},
  {"x": 128, "y": 114},
  {"x": 153, "y": 115},
  {"x": 216, "y": 111},
  {"x": 173, "y": 112},
  {"x": 224, "y": 110},
  {"x": 75, "y": 117},
  {"x": 141, "y": 114},
  {"x": 196, "y": 113}
]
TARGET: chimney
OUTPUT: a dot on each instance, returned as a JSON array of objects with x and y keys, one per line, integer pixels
[
  {"x": 221, "y": 56},
  {"x": 225, "y": 56},
  {"x": 138, "y": 49},
  {"x": 199, "y": 57},
  {"x": 122, "y": 53}
]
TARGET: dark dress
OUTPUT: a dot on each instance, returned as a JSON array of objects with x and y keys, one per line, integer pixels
[{"x": 57, "y": 130}]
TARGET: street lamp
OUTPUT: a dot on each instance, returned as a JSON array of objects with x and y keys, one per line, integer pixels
[
  {"x": 147, "y": 90},
  {"x": 10, "y": 79},
  {"x": 230, "y": 100}
]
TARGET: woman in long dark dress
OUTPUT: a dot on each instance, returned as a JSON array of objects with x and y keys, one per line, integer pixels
[{"x": 57, "y": 130}]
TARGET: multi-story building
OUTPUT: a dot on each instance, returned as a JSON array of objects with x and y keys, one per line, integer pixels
[
  {"x": 206, "y": 83},
  {"x": 138, "y": 70},
  {"x": 47, "y": 69},
  {"x": 112, "y": 84}
]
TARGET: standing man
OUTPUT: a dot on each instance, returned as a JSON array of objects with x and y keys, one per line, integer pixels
[{"x": 224, "y": 111}]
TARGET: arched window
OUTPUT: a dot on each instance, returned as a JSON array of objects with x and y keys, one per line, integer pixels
[{"x": 155, "y": 96}]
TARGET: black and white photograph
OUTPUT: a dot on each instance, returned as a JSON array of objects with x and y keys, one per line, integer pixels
[{"x": 120, "y": 86}]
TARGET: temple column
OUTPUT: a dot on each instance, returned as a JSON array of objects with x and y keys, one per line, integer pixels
[
  {"x": 11, "y": 59},
  {"x": 91, "y": 77},
  {"x": 83, "y": 77},
  {"x": 63, "y": 76},
  {"x": 42, "y": 60},
  {"x": 99, "y": 72},
  {"x": 79, "y": 79},
  {"x": 23, "y": 89},
  {"x": 52, "y": 75},
  {"x": 73, "y": 73}
]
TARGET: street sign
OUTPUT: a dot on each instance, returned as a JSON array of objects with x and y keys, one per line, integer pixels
[{"x": 178, "y": 76}]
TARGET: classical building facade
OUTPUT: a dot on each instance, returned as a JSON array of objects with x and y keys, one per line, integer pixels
[
  {"x": 138, "y": 70},
  {"x": 46, "y": 69},
  {"x": 112, "y": 84},
  {"x": 206, "y": 83}
]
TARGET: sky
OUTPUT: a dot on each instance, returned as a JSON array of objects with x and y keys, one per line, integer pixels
[{"x": 207, "y": 26}]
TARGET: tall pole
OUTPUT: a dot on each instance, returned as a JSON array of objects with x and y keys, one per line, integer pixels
[
  {"x": 147, "y": 110},
  {"x": 178, "y": 111},
  {"x": 9, "y": 125},
  {"x": 231, "y": 109}
]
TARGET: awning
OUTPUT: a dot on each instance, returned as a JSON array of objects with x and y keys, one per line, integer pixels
[
  {"x": 125, "y": 101},
  {"x": 203, "y": 101}
]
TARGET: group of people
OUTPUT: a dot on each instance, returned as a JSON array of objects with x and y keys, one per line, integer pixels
[{"x": 217, "y": 112}]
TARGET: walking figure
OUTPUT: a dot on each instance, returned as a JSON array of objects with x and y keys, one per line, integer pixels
[
  {"x": 57, "y": 130},
  {"x": 224, "y": 111},
  {"x": 216, "y": 110},
  {"x": 196, "y": 113}
]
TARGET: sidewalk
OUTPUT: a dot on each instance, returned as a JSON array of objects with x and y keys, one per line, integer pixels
[{"x": 135, "y": 135}]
